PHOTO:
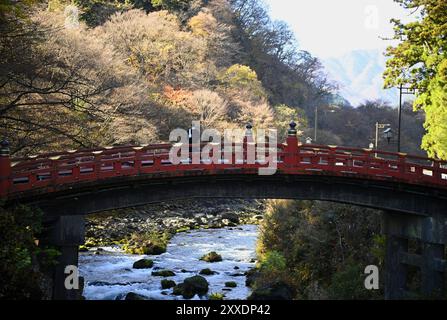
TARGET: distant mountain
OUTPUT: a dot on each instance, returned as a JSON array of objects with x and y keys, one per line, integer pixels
[{"x": 359, "y": 76}]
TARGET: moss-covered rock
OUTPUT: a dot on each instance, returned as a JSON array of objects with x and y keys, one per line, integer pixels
[
  {"x": 179, "y": 290},
  {"x": 143, "y": 264},
  {"x": 146, "y": 248},
  {"x": 163, "y": 273},
  {"x": 230, "y": 284},
  {"x": 151, "y": 243},
  {"x": 211, "y": 257},
  {"x": 198, "y": 283},
  {"x": 167, "y": 284},
  {"x": 207, "y": 272},
  {"x": 192, "y": 286}
]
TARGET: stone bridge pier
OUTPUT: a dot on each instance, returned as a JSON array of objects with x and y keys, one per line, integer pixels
[
  {"x": 415, "y": 250},
  {"x": 66, "y": 234}
]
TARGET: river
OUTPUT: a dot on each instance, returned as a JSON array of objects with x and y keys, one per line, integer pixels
[{"x": 109, "y": 275}]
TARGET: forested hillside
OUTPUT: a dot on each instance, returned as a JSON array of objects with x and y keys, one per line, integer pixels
[
  {"x": 109, "y": 72},
  {"x": 132, "y": 72}
]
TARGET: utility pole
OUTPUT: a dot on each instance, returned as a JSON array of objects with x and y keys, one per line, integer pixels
[
  {"x": 316, "y": 124},
  {"x": 400, "y": 118},
  {"x": 377, "y": 136},
  {"x": 402, "y": 91}
]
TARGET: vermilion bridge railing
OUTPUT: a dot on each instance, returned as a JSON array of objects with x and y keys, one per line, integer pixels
[{"x": 51, "y": 172}]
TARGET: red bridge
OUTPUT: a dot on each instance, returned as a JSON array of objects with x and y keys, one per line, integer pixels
[
  {"x": 411, "y": 190},
  {"x": 47, "y": 173}
]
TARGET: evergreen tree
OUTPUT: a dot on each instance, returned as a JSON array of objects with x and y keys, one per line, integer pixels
[{"x": 420, "y": 60}]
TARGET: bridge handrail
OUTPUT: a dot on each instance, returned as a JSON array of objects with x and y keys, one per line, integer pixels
[
  {"x": 53, "y": 169},
  {"x": 90, "y": 151}
]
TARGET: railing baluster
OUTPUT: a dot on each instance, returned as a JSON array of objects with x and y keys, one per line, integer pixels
[
  {"x": 76, "y": 172},
  {"x": 97, "y": 166},
  {"x": 367, "y": 161},
  {"x": 117, "y": 167},
  {"x": 5, "y": 170},
  {"x": 437, "y": 175},
  {"x": 402, "y": 165},
  {"x": 137, "y": 163},
  {"x": 54, "y": 172},
  {"x": 331, "y": 157}
]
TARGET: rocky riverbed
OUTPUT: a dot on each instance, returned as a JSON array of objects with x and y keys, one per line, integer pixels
[
  {"x": 111, "y": 227},
  {"x": 183, "y": 232}
]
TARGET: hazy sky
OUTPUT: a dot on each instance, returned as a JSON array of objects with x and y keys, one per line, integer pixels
[{"x": 329, "y": 28}]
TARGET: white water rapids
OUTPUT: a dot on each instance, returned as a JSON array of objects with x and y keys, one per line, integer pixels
[{"x": 109, "y": 275}]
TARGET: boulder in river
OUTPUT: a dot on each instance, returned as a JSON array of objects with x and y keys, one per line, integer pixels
[
  {"x": 143, "y": 264},
  {"x": 212, "y": 257},
  {"x": 153, "y": 249},
  {"x": 231, "y": 216},
  {"x": 192, "y": 286},
  {"x": 134, "y": 296},
  {"x": 163, "y": 273},
  {"x": 167, "y": 284},
  {"x": 230, "y": 284},
  {"x": 207, "y": 272}
]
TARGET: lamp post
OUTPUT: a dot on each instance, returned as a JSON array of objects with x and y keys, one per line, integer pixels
[
  {"x": 380, "y": 126},
  {"x": 388, "y": 134}
]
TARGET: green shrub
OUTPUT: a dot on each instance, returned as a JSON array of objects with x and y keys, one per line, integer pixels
[
  {"x": 273, "y": 261},
  {"x": 216, "y": 296},
  {"x": 310, "y": 245},
  {"x": 348, "y": 284},
  {"x": 22, "y": 261}
]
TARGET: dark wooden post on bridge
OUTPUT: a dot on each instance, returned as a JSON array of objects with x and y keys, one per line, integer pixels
[
  {"x": 291, "y": 156},
  {"x": 431, "y": 234},
  {"x": 249, "y": 147},
  {"x": 64, "y": 233},
  {"x": 248, "y": 137}
]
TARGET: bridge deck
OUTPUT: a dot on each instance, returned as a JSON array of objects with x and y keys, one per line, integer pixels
[{"x": 50, "y": 172}]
